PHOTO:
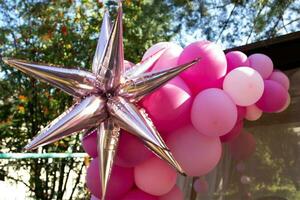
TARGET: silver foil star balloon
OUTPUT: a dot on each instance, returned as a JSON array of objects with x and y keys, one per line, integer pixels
[{"x": 106, "y": 98}]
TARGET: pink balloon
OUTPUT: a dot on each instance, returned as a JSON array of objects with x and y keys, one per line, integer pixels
[
  {"x": 241, "y": 113},
  {"x": 128, "y": 64},
  {"x": 173, "y": 109},
  {"x": 274, "y": 97},
  {"x": 121, "y": 181},
  {"x": 155, "y": 176},
  {"x": 231, "y": 135},
  {"x": 253, "y": 113},
  {"x": 155, "y": 48},
  {"x": 209, "y": 70},
  {"x": 213, "y": 112},
  {"x": 137, "y": 194},
  {"x": 89, "y": 144},
  {"x": 242, "y": 147},
  {"x": 174, "y": 194},
  {"x": 244, "y": 85},
  {"x": 261, "y": 63},
  {"x": 287, "y": 103},
  {"x": 94, "y": 198},
  {"x": 131, "y": 151},
  {"x": 280, "y": 78},
  {"x": 197, "y": 154},
  {"x": 201, "y": 186},
  {"x": 236, "y": 59}
]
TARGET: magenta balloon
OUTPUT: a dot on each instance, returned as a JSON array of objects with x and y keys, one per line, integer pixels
[
  {"x": 253, "y": 113},
  {"x": 120, "y": 183},
  {"x": 274, "y": 97},
  {"x": 241, "y": 113},
  {"x": 261, "y": 63},
  {"x": 280, "y": 78},
  {"x": 196, "y": 153},
  {"x": 131, "y": 151},
  {"x": 242, "y": 147},
  {"x": 231, "y": 135},
  {"x": 200, "y": 186},
  {"x": 236, "y": 59},
  {"x": 213, "y": 112},
  {"x": 174, "y": 194},
  {"x": 137, "y": 194},
  {"x": 208, "y": 70},
  {"x": 173, "y": 109},
  {"x": 155, "y": 176},
  {"x": 89, "y": 144},
  {"x": 244, "y": 85}
]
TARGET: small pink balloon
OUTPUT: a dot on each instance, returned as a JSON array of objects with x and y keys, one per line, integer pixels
[
  {"x": 213, "y": 112},
  {"x": 280, "y": 78},
  {"x": 155, "y": 48},
  {"x": 241, "y": 113},
  {"x": 274, "y": 97},
  {"x": 131, "y": 151},
  {"x": 121, "y": 181},
  {"x": 242, "y": 147},
  {"x": 209, "y": 70},
  {"x": 236, "y": 59},
  {"x": 137, "y": 194},
  {"x": 244, "y": 85},
  {"x": 231, "y": 135},
  {"x": 261, "y": 63},
  {"x": 174, "y": 194},
  {"x": 253, "y": 113},
  {"x": 288, "y": 102},
  {"x": 197, "y": 154},
  {"x": 89, "y": 144},
  {"x": 201, "y": 186},
  {"x": 155, "y": 176}
]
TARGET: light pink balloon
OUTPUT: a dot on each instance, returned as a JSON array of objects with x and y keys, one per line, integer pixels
[
  {"x": 89, "y": 144},
  {"x": 261, "y": 63},
  {"x": 213, "y": 112},
  {"x": 121, "y": 181},
  {"x": 137, "y": 194},
  {"x": 281, "y": 78},
  {"x": 231, "y": 135},
  {"x": 242, "y": 147},
  {"x": 172, "y": 107},
  {"x": 209, "y": 70},
  {"x": 174, "y": 194},
  {"x": 197, "y": 154},
  {"x": 288, "y": 102},
  {"x": 155, "y": 48},
  {"x": 236, "y": 59},
  {"x": 131, "y": 151},
  {"x": 200, "y": 185},
  {"x": 155, "y": 176},
  {"x": 274, "y": 97},
  {"x": 253, "y": 113}
]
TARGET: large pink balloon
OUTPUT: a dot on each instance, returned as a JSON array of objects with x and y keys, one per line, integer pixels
[
  {"x": 196, "y": 153},
  {"x": 174, "y": 194},
  {"x": 120, "y": 183},
  {"x": 213, "y": 112},
  {"x": 274, "y": 97},
  {"x": 172, "y": 107},
  {"x": 89, "y": 144},
  {"x": 244, "y": 85},
  {"x": 233, "y": 133},
  {"x": 253, "y": 113},
  {"x": 137, "y": 194},
  {"x": 131, "y": 151},
  {"x": 261, "y": 63},
  {"x": 242, "y": 147},
  {"x": 155, "y": 176},
  {"x": 209, "y": 70},
  {"x": 236, "y": 59},
  {"x": 281, "y": 78}
]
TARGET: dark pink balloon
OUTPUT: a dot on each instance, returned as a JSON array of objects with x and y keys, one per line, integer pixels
[
  {"x": 197, "y": 154},
  {"x": 243, "y": 146},
  {"x": 241, "y": 113},
  {"x": 137, "y": 194},
  {"x": 89, "y": 144},
  {"x": 281, "y": 78},
  {"x": 236, "y": 59},
  {"x": 233, "y": 133},
  {"x": 131, "y": 150},
  {"x": 207, "y": 72},
  {"x": 155, "y": 176},
  {"x": 121, "y": 181},
  {"x": 261, "y": 63},
  {"x": 274, "y": 97},
  {"x": 174, "y": 194}
]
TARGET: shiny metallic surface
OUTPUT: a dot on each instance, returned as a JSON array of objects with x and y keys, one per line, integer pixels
[
  {"x": 78, "y": 83},
  {"x": 86, "y": 114},
  {"x": 108, "y": 135},
  {"x": 140, "y": 86}
]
